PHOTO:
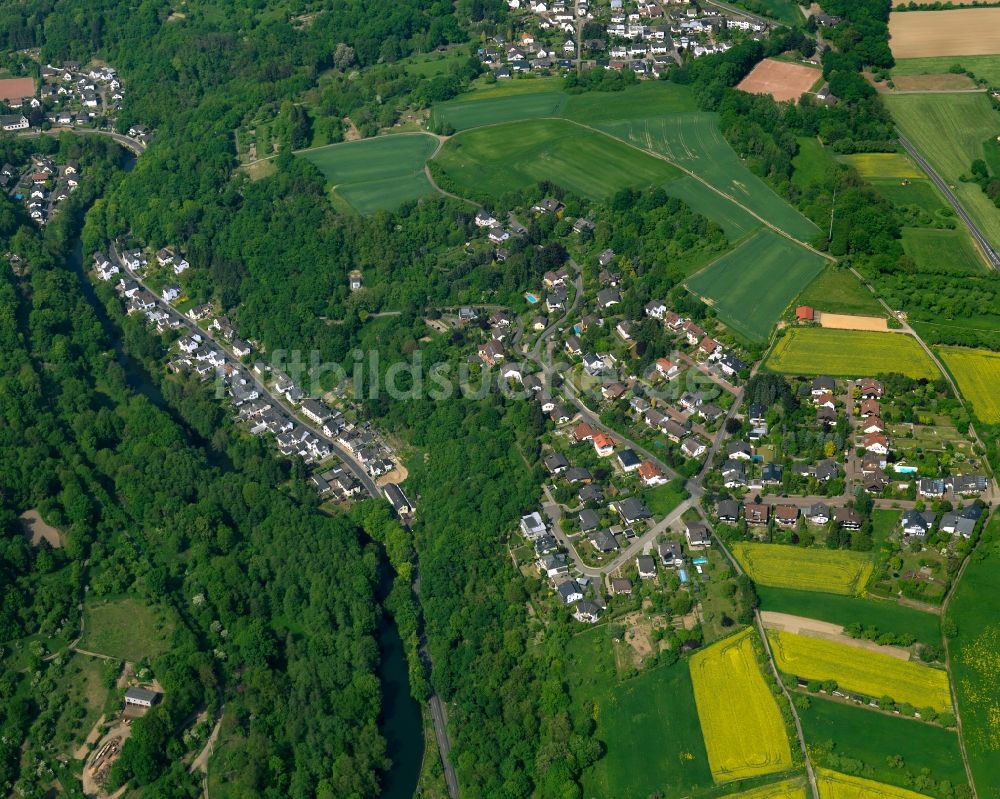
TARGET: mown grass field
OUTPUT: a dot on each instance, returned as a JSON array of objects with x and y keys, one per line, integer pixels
[
  {"x": 942, "y": 250},
  {"x": 833, "y": 785},
  {"x": 950, "y": 131},
  {"x": 983, "y": 66},
  {"x": 884, "y": 165},
  {"x": 886, "y": 615},
  {"x": 859, "y": 670},
  {"x": 377, "y": 174},
  {"x": 794, "y": 788},
  {"x": 839, "y": 291},
  {"x": 977, "y": 373},
  {"x": 752, "y": 285},
  {"x": 849, "y": 353},
  {"x": 124, "y": 628},
  {"x": 694, "y": 141},
  {"x": 502, "y": 158},
  {"x": 872, "y": 738},
  {"x": 830, "y": 571},
  {"x": 975, "y": 658},
  {"x": 744, "y": 737},
  {"x": 658, "y": 705},
  {"x": 920, "y": 194}
]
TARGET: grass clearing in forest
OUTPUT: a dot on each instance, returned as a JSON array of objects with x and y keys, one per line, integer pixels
[
  {"x": 977, "y": 373},
  {"x": 751, "y": 286},
  {"x": 832, "y": 571},
  {"x": 811, "y": 163},
  {"x": 377, "y": 174},
  {"x": 860, "y": 670},
  {"x": 849, "y": 353},
  {"x": 839, "y": 291},
  {"x": 745, "y": 737},
  {"x": 492, "y": 161},
  {"x": 125, "y": 628}
]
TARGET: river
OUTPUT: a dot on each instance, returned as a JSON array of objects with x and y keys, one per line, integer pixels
[{"x": 401, "y": 722}]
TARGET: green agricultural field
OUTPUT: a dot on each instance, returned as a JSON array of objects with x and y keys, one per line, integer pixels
[
  {"x": 983, "y": 66},
  {"x": 920, "y": 194},
  {"x": 849, "y": 353},
  {"x": 694, "y": 141},
  {"x": 538, "y": 99},
  {"x": 751, "y": 286},
  {"x": 886, "y": 615},
  {"x": 124, "y": 628},
  {"x": 494, "y": 160},
  {"x": 839, "y": 291},
  {"x": 859, "y": 670},
  {"x": 833, "y": 571},
  {"x": 950, "y": 131},
  {"x": 811, "y": 163},
  {"x": 377, "y": 174},
  {"x": 977, "y": 373},
  {"x": 872, "y": 738},
  {"x": 975, "y": 658},
  {"x": 884, "y": 165},
  {"x": 648, "y": 99},
  {"x": 942, "y": 250},
  {"x": 657, "y": 705},
  {"x": 734, "y": 220},
  {"x": 744, "y": 738}
]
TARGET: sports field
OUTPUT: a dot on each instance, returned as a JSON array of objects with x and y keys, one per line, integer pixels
[
  {"x": 494, "y": 160},
  {"x": 694, "y": 141},
  {"x": 752, "y": 285},
  {"x": 747, "y": 737},
  {"x": 883, "y": 165},
  {"x": 377, "y": 174},
  {"x": 884, "y": 614},
  {"x": 657, "y": 705},
  {"x": 781, "y": 80},
  {"x": 977, "y": 373},
  {"x": 985, "y": 66},
  {"x": 873, "y": 738},
  {"x": 975, "y": 658},
  {"x": 942, "y": 251},
  {"x": 967, "y": 31},
  {"x": 838, "y": 291},
  {"x": 859, "y": 670},
  {"x": 833, "y": 785},
  {"x": 849, "y": 353},
  {"x": 832, "y": 571},
  {"x": 950, "y": 130}
]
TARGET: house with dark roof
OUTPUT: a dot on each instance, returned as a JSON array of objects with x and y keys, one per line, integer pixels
[
  {"x": 603, "y": 541},
  {"x": 647, "y": 567},
  {"x": 570, "y": 592},
  {"x": 728, "y": 510},
  {"x": 670, "y": 553},
  {"x": 697, "y": 534},
  {"x": 589, "y": 520},
  {"x": 632, "y": 510},
  {"x": 848, "y": 518}
]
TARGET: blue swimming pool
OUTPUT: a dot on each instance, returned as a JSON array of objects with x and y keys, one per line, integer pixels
[
  {"x": 905, "y": 469},
  {"x": 531, "y": 298},
  {"x": 699, "y": 561},
  {"x": 683, "y": 575}
]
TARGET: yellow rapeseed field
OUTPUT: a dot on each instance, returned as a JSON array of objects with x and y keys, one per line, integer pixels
[
  {"x": 744, "y": 733},
  {"x": 833, "y": 785},
  {"x": 883, "y": 165},
  {"x": 860, "y": 670},
  {"x": 794, "y": 788},
  {"x": 832, "y": 571}
]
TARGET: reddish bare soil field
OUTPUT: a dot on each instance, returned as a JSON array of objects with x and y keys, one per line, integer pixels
[{"x": 780, "y": 79}]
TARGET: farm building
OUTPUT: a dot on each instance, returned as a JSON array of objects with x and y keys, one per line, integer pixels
[{"x": 141, "y": 697}]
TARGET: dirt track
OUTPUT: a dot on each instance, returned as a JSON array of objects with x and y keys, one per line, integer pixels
[
  {"x": 839, "y": 321},
  {"x": 812, "y": 628}
]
